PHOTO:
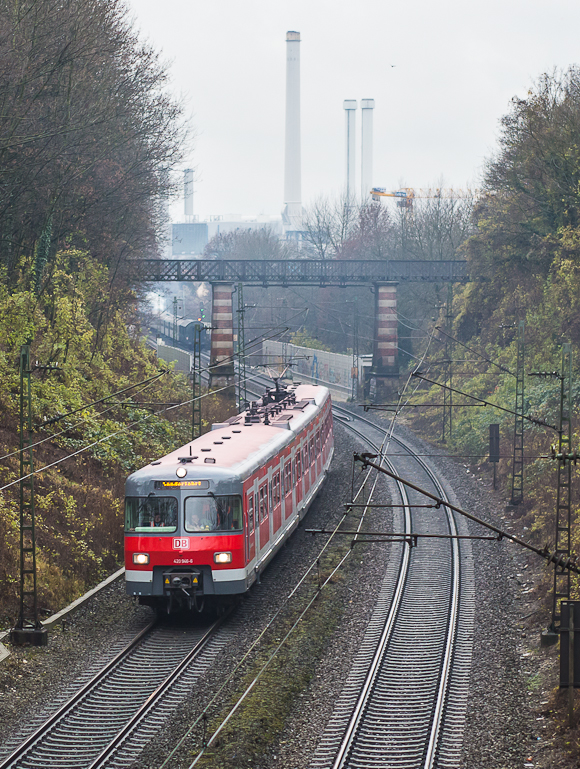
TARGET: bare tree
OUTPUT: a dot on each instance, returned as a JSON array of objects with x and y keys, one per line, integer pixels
[
  {"x": 328, "y": 225},
  {"x": 248, "y": 244},
  {"x": 88, "y": 136},
  {"x": 434, "y": 228}
]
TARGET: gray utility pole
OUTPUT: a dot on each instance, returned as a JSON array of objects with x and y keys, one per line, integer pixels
[
  {"x": 28, "y": 628},
  {"x": 518, "y": 459},
  {"x": 196, "y": 384},
  {"x": 564, "y": 498},
  {"x": 175, "y": 319},
  {"x": 447, "y": 392},
  {"x": 242, "y": 391},
  {"x": 355, "y": 362}
]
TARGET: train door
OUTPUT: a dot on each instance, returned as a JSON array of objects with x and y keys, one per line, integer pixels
[
  {"x": 312, "y": 459},
  {"x": 250, "y": 526},
  {"x": 288, "y": 488},
  {"x": 263, "y": 513},
  {"x": 306, "y": 466},
  {"x": 276, "y": 500},
  {"x": 271, "y": 505},
  {"x": 297, "y": 474},
  {"x": 318, "y": 453}
]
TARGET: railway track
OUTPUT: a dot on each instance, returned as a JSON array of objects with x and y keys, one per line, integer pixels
[
  {"x": 403, "y": 704},
  {"x": 404, "y": 701},
  {"x": 111, "y": 718}
]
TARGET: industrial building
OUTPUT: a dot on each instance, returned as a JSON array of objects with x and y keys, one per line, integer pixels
[{"x": 190, "y": 237}]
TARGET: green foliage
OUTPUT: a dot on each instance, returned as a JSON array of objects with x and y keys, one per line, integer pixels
[
  {"x": 303, "y": 339},
  {"x": 42, "y": 253},
  {"x": 528, "y": 222},
  {"x": 79, "y": 501},
  {"x": 525, "y": 261}
]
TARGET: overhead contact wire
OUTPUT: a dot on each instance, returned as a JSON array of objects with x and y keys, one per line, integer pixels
[{"x": 124, "y": 429}]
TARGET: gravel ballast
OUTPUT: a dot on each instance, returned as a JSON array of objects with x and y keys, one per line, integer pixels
[{"x": 510, "y": 679}]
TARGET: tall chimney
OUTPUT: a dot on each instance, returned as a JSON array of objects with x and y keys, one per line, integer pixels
[
  {"x": 188, "y": 191},
  {"x": 292, "y": 213},
  {"x": 366, "y": 158},
  {"x": 350, "y": 110}
]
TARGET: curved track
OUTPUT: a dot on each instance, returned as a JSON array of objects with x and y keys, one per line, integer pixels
[
  {"x": 403, "y": 704},
  {"x": 404, "y": 701}
]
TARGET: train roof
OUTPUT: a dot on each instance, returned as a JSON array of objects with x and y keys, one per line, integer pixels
[
  {"x": 244, "y": 442},
  {"x": 168, "y": 317}
]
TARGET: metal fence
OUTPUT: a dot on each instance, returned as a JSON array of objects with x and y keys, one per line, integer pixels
[
  {"x": 328, "y": 368},
  {"x": 170, "y": 354}
]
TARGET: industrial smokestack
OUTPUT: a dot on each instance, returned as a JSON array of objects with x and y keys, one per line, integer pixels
[
  {"x": 350, "y": 110},
  {"x": 188, "y": 191},
  {"x": 366, "y": 158},
  {"x": 292, "y": 213}
]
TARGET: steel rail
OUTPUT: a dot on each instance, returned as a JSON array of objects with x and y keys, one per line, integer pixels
[
  {"x": 436, "y": 718},
  {"x": 70, "y": 703},
  {"x": 438, "y": 710},
  {"x": 53, "y": 742},
  {"x": 155, "y": 697},
  {"x": 370, "y": 679},
  {"x": 453, "y": 614}
]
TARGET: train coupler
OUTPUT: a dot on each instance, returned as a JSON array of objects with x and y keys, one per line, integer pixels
[{"x": 182, "y": 581}]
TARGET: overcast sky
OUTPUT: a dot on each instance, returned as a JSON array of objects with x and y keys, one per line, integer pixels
[{"x": 441, "y": 73}]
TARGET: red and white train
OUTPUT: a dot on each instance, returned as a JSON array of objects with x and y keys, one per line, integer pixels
[{"x": 203, "y": 521}]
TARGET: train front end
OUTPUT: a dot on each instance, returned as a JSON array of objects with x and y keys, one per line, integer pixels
[{"x": 184, "y": 534}]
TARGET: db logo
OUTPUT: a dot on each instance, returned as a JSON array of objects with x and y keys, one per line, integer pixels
[{"x": 181, "y": 543}]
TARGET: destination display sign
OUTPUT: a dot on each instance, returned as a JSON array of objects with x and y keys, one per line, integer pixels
[{"x": 181, "y": 484}]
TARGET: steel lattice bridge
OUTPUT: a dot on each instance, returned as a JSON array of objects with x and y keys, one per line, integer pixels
[
  {"x": 300, "y": 272},
  {"x": 223, "y": 274}
]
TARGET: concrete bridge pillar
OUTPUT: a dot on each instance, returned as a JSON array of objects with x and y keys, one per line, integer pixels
[
  {"x": 222, "y": 335},
  {"x": 385, "y": 366}
]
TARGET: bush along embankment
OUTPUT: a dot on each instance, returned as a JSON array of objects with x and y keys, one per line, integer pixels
[
  {"x": 79, "y": 501},
  {"x": 485, "y": 369},
  {"x": 524, "y": 262}
]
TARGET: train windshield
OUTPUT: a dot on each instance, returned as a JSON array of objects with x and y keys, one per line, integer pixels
[
  {"x": 223, "y": 513},
  {"x": 151, "y": 514}
]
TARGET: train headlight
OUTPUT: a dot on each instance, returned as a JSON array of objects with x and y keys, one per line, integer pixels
[
  {"x": 141, "y": 559},
  {"x": 181, "y": 472},
  {"x": 222, "y": 557}
]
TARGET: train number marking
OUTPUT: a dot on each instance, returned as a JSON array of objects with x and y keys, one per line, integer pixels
[{"x": 181, "y": 543}]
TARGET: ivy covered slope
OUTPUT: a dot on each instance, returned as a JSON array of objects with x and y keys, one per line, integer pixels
[
  {"x": 79, "y": 501},
  {"x": 525, "y": 261}
]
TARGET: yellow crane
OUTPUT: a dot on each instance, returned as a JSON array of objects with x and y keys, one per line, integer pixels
[{"x": 406, "y": 195}]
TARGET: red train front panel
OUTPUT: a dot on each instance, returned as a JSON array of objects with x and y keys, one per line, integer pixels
[{"x": 205, "y": 519}]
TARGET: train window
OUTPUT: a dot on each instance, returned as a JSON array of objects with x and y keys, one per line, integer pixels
[
  {"x": 288, "y": 477},
  {"x": 276, "y": 489},
  {"x": 298, "y": 466},
  {"x": 317, "y": 442},
  {"x": 312, "y": 454},
  {"x": 251, "y": 512},
  {"x": 263, "y": 510},
  {"x": 148, "y": 514},
  {"x": 223, "y": 513}
]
